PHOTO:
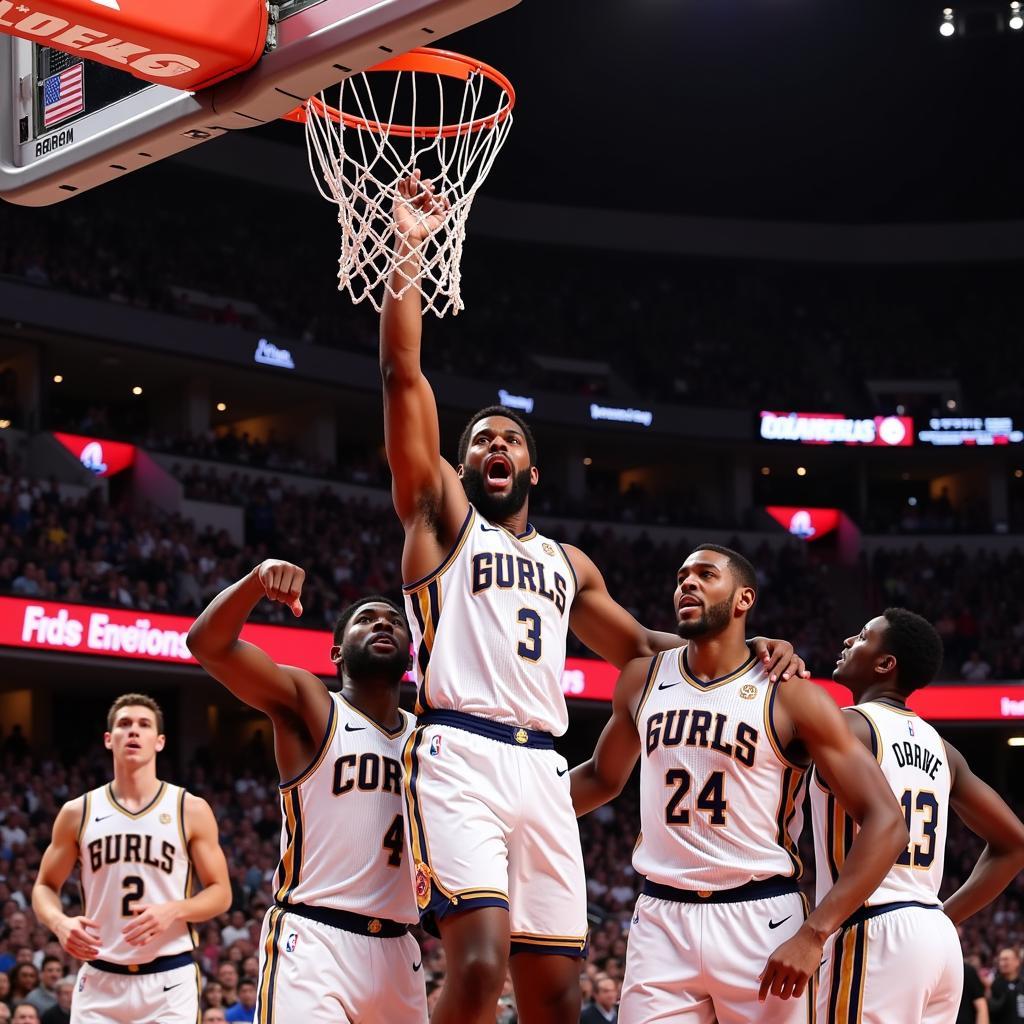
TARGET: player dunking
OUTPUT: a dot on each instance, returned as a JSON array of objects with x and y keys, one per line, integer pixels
[
  {"x": 723, "y": 756},
  {"x": 898, "y": 957},
  {"x": 335, "y": 947},
  {"x": 138, "y": 841},
  {"x": 497, "y": 849}
]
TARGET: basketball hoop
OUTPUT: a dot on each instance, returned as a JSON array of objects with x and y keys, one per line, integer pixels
[{"x": 437, "y": 112}]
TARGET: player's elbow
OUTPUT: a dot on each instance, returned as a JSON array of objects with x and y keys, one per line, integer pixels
[
  {"x": 398, "y": 373},
  {"x": 893, "y": 824}
]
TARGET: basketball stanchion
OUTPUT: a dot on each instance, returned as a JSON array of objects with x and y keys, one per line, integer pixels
[{"x": 432, "y": 111}]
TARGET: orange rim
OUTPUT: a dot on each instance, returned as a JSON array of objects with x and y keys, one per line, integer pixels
[{"x": 425, "y": 60}]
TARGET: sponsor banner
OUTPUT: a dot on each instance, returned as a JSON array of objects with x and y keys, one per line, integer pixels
[
  {"x": 834, "y": 428},
  {"x": 125, "y": 633},
  {"x": 269, "y": 354},
  {"x": 983, "y": 431},
  {"x": 99, "y": 456},
  {"x": 805, "y": 523}
]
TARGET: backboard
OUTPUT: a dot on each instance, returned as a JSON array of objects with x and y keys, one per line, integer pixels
[{"x": 68, "y": 124}]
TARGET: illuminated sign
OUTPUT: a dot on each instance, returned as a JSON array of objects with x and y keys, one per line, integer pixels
[
  {"x": 834, "y": 428},
  {"x": 805, "y": 523},
  {"x": 104, "y": 458},
  {"x": 618, "y": 415},
  {"x": 269, "y": 354},
  {"x": 967, "y": 430},
  {"x": 510, "y": 401}
]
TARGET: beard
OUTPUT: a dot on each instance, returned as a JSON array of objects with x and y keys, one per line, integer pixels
[
  {"x": 712, "y": 620},
  {"x": 491, "y": 506},
  {"x": 360, "y": 662}
]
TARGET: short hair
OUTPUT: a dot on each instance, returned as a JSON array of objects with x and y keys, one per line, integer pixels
[
  {"x": 497, "y": 410},
  {"x": 51, "y": 959},
  {"x": 916, "y": 645},
  {"x": 247, "y": 981},
  {"x": 742, "y": 568},
  {"x": 135, "y": 700},
  {"x": 349, "y": 613},
  {"x": 24, "y": 1002}
]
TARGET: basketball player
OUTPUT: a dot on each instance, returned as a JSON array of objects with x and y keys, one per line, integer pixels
[
  {"x": 723, "y": 758},
  {"x": 499, "y": 868},
  {"x": 898, "y": 958},
  {"x": 335, "y": 946},
  {"x": 138, "y": 841}
]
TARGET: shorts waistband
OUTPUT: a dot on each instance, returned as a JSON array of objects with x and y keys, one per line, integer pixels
[
  {"x": 514, "y": 735},
  {"x": 378, "y": 927},
  {"x": 161, "y": 963},
  {"x": 867, "y": 913},
  {"x": 763, "y": 889}
]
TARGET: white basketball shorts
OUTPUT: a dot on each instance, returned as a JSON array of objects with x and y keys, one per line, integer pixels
[
  {"x": 314, "y": 973},
  {"x": 698, "y": 963},
  {"x": 492, "y": 825},
  {"x": 898, "y": 962},
  {"x": 166, "y": 997}
]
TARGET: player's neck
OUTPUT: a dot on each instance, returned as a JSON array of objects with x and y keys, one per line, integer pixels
[
  {"x": 517, "y": 523},
  {"x": 375, "y": 698},
  {"x": 135, "y": 787},
  {"x": 711, "y": 657},
  {"x": 882, "y": 691}
]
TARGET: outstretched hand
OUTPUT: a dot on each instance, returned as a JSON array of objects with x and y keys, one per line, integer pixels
[
  {"x": 282, "y": 582},
  {"x": 418, "y": 210}
]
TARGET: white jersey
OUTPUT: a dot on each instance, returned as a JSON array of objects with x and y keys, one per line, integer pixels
[
  {"x": 489, "y": 627},
  {"x": 343, "y": 834},
  {"x": 130, "y": 859},
  {"x": 720, "y": 804},
  {"x": 912, "y": 757}
]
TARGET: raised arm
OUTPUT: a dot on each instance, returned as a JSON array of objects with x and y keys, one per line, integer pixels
[
  {"x": 78, "y": 936},
  {"x": 423, "y": 484},
  {"x": 601, "y": 623},
  {"x": 986, "y": 814},
  {"x": 601, "y": 779},
  {"x": 292, "y": 697},
  {"x": 153, "y": 919},
  {"x": 808, "y": 715}
]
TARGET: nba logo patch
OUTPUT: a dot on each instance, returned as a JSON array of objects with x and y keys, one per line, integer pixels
[
  {"x": 291, "y": 942},
  {"x": 910, "y": 728},
  {"x": 435, "y": 746},
  {"x": 81, "y": 983}
]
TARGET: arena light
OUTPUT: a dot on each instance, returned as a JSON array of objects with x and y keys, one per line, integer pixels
[
  {"x": 4, "y": 424},
  {"x": 222, "y": 407},
  {"x": 136, "y": 390},
  {"x": 58, "y": 378},
  {"x": 588, "y": 461},
  {"x": 948, "y": 27},
  {"x": 1015, "y": 741},
  {"x": 801, "y": 471},
  {"x": 1016, "y": 21}
]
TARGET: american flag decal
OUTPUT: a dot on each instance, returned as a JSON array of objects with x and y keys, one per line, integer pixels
[{"x": 64, "y": 95}]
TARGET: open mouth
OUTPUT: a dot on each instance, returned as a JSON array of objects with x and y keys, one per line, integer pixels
[
  {"x": 689, "y": 602},
  {"x": 383, "y": 640},
  {"x": 497, "y": 472}
]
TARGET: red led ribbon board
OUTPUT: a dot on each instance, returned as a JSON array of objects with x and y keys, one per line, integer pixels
[
  {"x": 143, "y": 637},
  {"x": 835, "y": 428},
  {"x": 187, "y": 46},
  {"x": 806, "y": 523},
  {"x": 104, "y": 458}
]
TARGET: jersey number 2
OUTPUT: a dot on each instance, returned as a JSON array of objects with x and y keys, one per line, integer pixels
[{"x": 133, "y": 889}]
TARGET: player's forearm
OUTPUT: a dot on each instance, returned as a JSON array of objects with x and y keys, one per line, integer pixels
[
  {"x": 220, "y": 624},
  {"x": 654, "y": 642},
  {"x": 991, "y": 875},
  {"x": 589, "y": 790},
  {"x": 213, "y": 900},
  {"x": 401, "y": 321},
  {"x": 46, "y": 905},
  {"x": 882, "y": 837}
]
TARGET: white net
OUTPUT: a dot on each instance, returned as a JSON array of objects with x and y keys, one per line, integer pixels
[{"x": 362, "y": 162}]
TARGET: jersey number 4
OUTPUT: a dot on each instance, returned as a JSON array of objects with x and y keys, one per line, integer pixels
[
  {"x": 710, "y": 801},
  {"x": 394, "y": 842},
  {"x": 920, "y": 855}
]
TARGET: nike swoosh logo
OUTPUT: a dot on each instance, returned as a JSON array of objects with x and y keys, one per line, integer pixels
[
  {"x": 105, "y": 816},
  {"x": 775, "y": 924},
  {"x": 167, "y": 988},
  {"x": 489, "y": 529},
  {"x": 823, "y": 962},
  {"x": 668, "y": 686},
  {"x": 354, "y": 728},
  {"x": 560, "y": 771},
  {"x": 416, "y": 967}
]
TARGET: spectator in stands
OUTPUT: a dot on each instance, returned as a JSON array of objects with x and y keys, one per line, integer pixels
[
  {"x": 214, "y": 1015},
  {"x": 24, "y": 978},
  {"x": 235, "y": 930},
  {"x": 976, "y": 669},
  {"x": 245, "y": 1008},
  {"x": 25, "y": 1013},
  {"x": 604, "y": 1009},
  {"x": 5, "y": 1013},
  {"x": 61, "y": 1013},
  {"x": 973, "y": 1007},
  {"x": 45, "y": 994},
  {"x": 1006, "y": 995},
  {"x": 227, "y": 975}
]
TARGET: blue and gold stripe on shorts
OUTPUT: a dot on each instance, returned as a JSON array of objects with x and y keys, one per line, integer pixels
[
  {"x": 849, "y": 968},
  {"x": 268, "y": 976}
]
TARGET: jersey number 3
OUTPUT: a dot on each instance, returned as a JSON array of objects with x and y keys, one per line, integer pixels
[{"x": 529, "y": 648}]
